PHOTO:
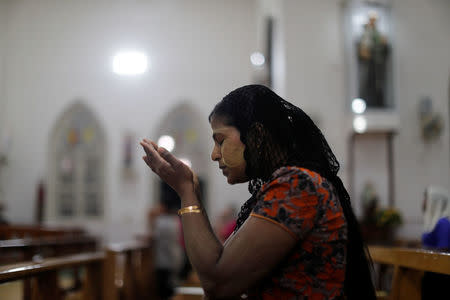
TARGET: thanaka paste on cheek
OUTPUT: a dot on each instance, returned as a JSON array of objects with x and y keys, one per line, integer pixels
[{"x": 232, "y": 155}]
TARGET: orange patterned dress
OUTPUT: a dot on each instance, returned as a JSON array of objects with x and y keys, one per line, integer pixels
[{"x": 306, "y": 205}]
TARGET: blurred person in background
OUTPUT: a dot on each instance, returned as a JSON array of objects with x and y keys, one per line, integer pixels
[
  {"x": 436, "y": 208},
  {"x": 225, "y": 224},
  {"x": 436, "y": 236},
  {"x": 168, "y": 250}
]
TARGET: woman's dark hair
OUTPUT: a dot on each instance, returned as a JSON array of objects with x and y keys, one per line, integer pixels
[{"x": 276, "y": 133}]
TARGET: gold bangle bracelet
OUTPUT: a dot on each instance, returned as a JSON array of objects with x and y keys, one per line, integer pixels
[{"x": 189, "y": 209}]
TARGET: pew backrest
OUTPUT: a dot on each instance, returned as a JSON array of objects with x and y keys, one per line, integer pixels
[
  {"x": 417, "y": 259},
  {"x": 122, "y": 271},
  {"x": 44, "y": 275},
  {"x": 409, "y": 267},
  {"x": 130, "y": 265},
  {"x": 16, "y": 250},
  {"x": 32, "y": 231}
]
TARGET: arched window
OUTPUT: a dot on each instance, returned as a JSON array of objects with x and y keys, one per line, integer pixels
[
  {"x": 188, "y": 129},
  {"x": 77, "y": 165}
]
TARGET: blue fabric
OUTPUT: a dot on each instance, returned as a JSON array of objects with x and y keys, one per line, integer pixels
[{"x": 439, "y": 237}]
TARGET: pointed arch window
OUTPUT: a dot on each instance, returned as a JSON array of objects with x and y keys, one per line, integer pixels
[
  {"x": 185, "y": 126},
  {"x": 77, "y": 150}
]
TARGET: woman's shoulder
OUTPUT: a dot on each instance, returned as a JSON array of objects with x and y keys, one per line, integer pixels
[
  {"x": 287, "y": 173},
  {"x": 297, "y": 198},
  {"x": 294, "y": 179}
]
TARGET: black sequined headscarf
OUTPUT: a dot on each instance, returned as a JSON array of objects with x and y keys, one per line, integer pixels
[{"x": 276, "y": 133}]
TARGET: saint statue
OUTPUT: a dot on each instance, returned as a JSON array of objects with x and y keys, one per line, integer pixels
[{"x": 373, "y": 52}]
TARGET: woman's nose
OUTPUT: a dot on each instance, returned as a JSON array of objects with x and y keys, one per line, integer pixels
[{"x": 215, "y": 155}]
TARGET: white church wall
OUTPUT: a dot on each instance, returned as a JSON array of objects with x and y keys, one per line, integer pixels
[
  {"x": 422, "y": 69},
  {"x": 315, "y": 80},
  {"x": 61, "y": 51},
  {"x": 4, "y": 5},
  {"x": 315, "y": 67},
  {"x": 3, "y": 25},
  {"x": 273, "y": 9}
]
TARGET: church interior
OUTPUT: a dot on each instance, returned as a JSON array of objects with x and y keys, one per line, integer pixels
[{"x": 83, "y": 82}]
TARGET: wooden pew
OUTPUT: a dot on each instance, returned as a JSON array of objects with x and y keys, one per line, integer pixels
[
  {"x": 44, "y": 275},
  {"x": 16, "y": 250},
  {"x": 188, "y": 293},
  {"x": 409, "y": 266},
  {"x": 122, "y": 271},
  {"x": 191, "y": 289},
  {"x": 36, "y": 231},
  {"x": 19, "y": 250},
  {"x": 131, "y": 264}
]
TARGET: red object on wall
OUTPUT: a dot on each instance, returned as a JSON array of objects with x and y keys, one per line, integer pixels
[{"x": 40, "y": 202}]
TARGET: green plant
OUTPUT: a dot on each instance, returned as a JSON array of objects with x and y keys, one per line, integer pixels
[{"x": 388, "y": 217}]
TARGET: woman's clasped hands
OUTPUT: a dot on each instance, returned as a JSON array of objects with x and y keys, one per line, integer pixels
[{"x": 169, "y": 168}]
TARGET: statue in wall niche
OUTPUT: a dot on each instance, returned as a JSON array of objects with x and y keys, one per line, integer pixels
[{"x": 373, "y": 52}]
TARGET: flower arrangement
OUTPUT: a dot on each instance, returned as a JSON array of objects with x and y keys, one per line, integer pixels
[
  {"x": 376, "y": 216},
  {"x": 378, "y": 224},
  {"x": 388, "y": 217}
]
